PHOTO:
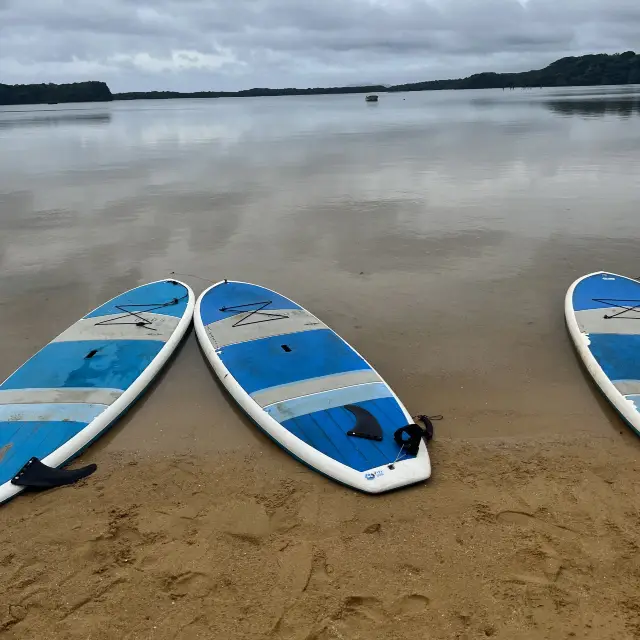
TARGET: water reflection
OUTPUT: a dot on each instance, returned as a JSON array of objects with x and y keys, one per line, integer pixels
[
  {"x": 437, "y": 232},
  {"x": 267, "y": 181},
  {"x": 596, "y": 108},
  {"x": 53, "y": 118}
]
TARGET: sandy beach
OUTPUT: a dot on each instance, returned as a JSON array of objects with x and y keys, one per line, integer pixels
[
  {"x": 437, "y": 234},
  {"x": 517, "y": 539}
]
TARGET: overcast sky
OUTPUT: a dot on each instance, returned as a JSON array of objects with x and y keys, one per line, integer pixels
[{"x": 236, "y": 44}]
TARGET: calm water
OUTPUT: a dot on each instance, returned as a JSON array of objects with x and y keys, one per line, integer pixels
[{"x": 437, "y": 232}]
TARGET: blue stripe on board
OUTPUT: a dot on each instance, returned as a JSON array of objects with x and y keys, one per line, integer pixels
[
  {"x": 603, "y": 287},
  {"x": 307, "y": 433},
  {"x": 617, "y": 354},
  {"x": 323, "y": 426},
  {"x": 116, "y": 364},
  {"x": 153, "y": 294},
  {"x": 326, "y": 431},
  {"x": 30, "y": 439},
  {"x": 234, "y": 294},
  {"x": 288, "y": 409},
  {"x": 261, "y": 364},
  {"x": 53, "y": 412}
]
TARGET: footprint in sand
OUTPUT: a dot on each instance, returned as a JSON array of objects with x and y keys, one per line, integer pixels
[
  {"x": 356, "y": 615},
  {"x": 189, "y": 583},
  {"x": 320, "y": 571},
  {"x": 367, "y": 614},
  {"x": 282, "y": 520},
  {"x": 530, "y": 521},
  {"x": 246, "y": 521},
  {"x": 359, "y": 609},
  {"x": 410, "y": 605},
  {"x": 553, "y": 563},
  {"x": 362, "y": 610}
]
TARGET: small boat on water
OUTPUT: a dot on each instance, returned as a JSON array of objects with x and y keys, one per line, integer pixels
[{"x": 372, "y": 98}]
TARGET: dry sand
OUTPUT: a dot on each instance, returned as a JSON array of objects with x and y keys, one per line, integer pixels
[{"x": 510, "y": 539}]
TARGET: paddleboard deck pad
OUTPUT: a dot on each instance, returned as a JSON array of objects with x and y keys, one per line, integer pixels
[
  {"x": 73, "y": 389},
  {"x": 602, "y": 311},
  {"x": 307, "y": 388}
]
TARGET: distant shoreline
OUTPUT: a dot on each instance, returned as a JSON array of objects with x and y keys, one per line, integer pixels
[{"x": 589, "y": 70}]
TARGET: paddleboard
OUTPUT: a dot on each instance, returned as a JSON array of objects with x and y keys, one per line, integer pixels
[
  {"x": 73, "y": 389},
  {"x": 603, "y": 316},
  {"x": 309, "y": 390}
]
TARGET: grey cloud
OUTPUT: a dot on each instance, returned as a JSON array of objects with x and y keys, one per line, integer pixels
[{"x": 232, "y": 44}]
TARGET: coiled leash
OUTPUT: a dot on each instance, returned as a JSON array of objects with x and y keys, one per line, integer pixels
[{"x": 410, "y": 436}]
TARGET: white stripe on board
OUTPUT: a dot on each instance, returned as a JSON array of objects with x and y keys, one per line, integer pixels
[
  {"x": 289, "y": 409},
  {"x": 50, "y": 412},
  {"x": 84, "y": 395},
  {"x": 121, "y": 328},
  {"x": 594, "y": 321},
  {"x": 223, "y": 332},
  {"x": 283, "y": 392},
  {"x": 627, "y": 387}
]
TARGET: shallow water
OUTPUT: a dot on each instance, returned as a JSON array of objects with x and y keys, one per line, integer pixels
[{"x": 436, "y": 231}]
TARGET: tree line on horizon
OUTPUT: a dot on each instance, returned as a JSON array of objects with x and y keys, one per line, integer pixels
[
  {"x": 92, "y": 91},
  {"x": 587, "y": 70}
]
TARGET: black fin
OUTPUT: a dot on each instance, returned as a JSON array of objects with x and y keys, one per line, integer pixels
[
  {"x": 409, "y": 438},
  {"x": 366, "y": 424},
  {"x": 36, "y": 475}
]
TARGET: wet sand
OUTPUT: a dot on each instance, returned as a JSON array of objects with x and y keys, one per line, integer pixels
[{"x": 437, "y": 237}]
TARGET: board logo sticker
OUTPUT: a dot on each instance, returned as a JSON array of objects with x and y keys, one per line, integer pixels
[{"x": 375, "y": 474}]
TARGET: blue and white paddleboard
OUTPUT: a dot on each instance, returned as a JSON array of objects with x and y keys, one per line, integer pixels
[
  {"x": 603, "y": 316},
  {"x": 73, "y": 389},
  {"x": 306, "y": 387}
]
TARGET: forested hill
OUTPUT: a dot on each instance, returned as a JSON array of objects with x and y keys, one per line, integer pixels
[
  {"x": 247, "y": 93},
  {"x": 596, "y": 69},
  {"x": 53, "y": 93}
]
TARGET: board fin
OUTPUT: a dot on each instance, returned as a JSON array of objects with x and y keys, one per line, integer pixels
[
  {"x": 366, "y": 424},
  {"x": 37, "y": 475}
]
